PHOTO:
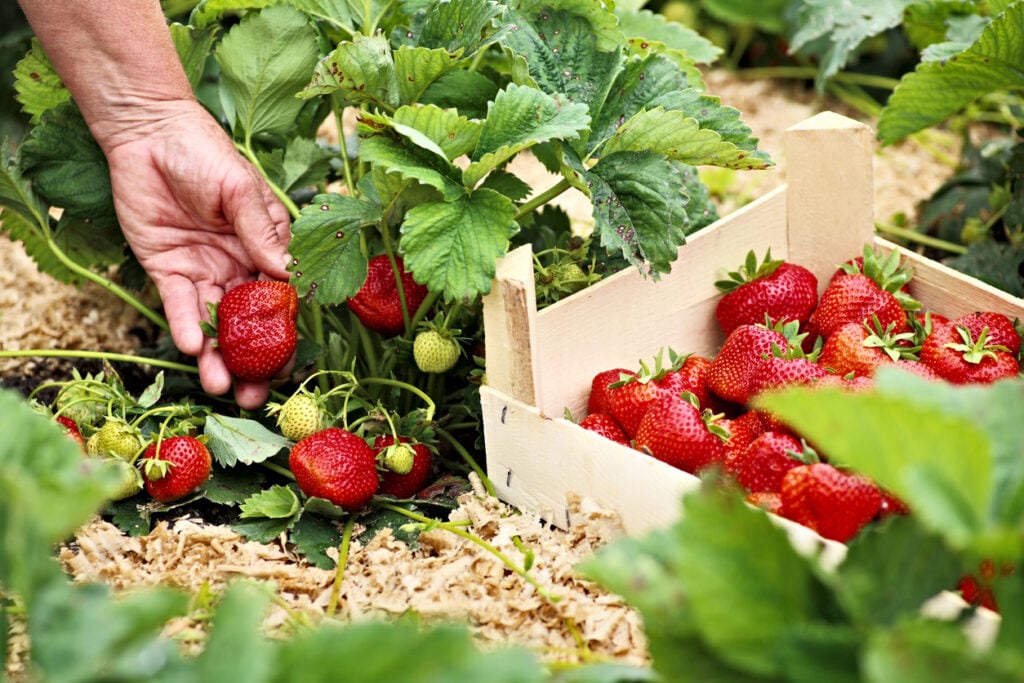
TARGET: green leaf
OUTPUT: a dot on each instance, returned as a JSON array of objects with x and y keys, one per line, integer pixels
[
  {"x": 745, "y": 583},
  {"x": 66, "y": 166},
  {"x": 712, "y": 115},
  {"x": 16, "y": 192},
  {"x": 467, "y": 91},
  {"x": 208, "y": 12},
  {"x": 442, "y": 131},
  {"x": 37, "y": 85},
  {"x": 639, "y": 207},
  {"x": 94, "y": 243},
  {"x": 414, "y": 161},
  {"x": 767, "y": 15},
  {"x": 996, "y": 263},
  {"x": 236, "y": 649},
  {"x": 314, "y": 536},
  {"x": 452, "y": 246},
  {"x": 560, "y": 52},
  {"x": 232, "y": 486},
  {"x": 412, "y": 654},
  {"x": 458, "y": 25},
  {"x": 360, "y": 71},
  {"x": 518, "y": 118},
  {"x": 914, "y": 450},
  {"x": 816, "y": 652},
  {"x": 831, "y": 30},
  {"x": 234, "y": 440},
  {"x": 937, "y": 90},
  {"x": 678, "y": 137},
  {"x": 329, "y": 265},
  {"x": 194, "y": 46},
  {"x": 646, "y": 25},
  {"x": 263, "y": 529},
  {"x": 417, "y": 68},
  {"x": 277, "y": 502},
  {"x": 341, "y": 13},
  {"x": 890, "y": 571},
  {"x": 264, "y": 61},
  {"x": 302, "y": 163},
  {"x": 547, "y": 16}
]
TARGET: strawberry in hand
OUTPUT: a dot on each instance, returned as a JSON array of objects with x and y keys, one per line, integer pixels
[
  {"x": 256, "y": 328},
  {"x": 774, "y": 288}
]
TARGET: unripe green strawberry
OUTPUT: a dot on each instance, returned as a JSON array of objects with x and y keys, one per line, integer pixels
[
  {"x": 435, "y": 351},
  {"x": 410, "y": 483},
  {"x": 399, "y": 458},
  {"x": 116, "y": 437},
  {"x": 298, "y": 417},
  {"x": 131, "y": 479}
]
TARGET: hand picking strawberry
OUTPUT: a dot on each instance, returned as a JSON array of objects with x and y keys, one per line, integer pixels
[{"x": 256, "y": 331}]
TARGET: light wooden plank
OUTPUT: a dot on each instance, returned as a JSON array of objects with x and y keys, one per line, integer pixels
[
  {"x": 831, "y": 196},
  {"x": 510, "y": 310}
]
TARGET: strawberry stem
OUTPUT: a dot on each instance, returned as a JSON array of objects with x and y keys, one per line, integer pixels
[
  {"x": 339, "y": 572},
  {"x": 101, "y": 355},
  {"x": 473, "y": 465}
]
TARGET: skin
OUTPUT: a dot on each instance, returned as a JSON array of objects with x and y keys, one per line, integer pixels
[{"x": 197, "y": 215}]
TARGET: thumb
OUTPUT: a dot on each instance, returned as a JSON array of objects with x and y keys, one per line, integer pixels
[{"x": 252, "y": 213}]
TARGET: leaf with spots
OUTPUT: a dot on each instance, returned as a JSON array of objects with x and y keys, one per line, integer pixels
[
  {"x": 417, "y": 68},
  {"x": 519, "y": 118},
  {"x": 452, "y": 246},
  {"x": 639, "y": 207},
  {"x": 678, "y": 137},
  {"x": 37, "y": 85},
  {"x": 325, "y": 244},
  {"x": 360, "y": 71},
  {"x": 460, "y": 25},
  {"x": 452, "y": 135},
  {"x": 646, "y": 25}
]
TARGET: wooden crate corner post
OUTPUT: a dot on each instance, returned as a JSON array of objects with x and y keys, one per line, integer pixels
[{"x": 830, "y": 197}]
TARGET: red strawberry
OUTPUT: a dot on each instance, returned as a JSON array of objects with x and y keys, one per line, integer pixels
[
  {"x": 891, "y": 505},
  {"x": 742, "y": 429},
  {"x": 72, "y": 431},
  {"x": 774, "y": 288},
  {"x": 175, "y": 467},
  {"x": 597, "y": 402},
  {"x": 378, "y": 304},
  {"x": 673, "y": 430},
  {"x": 766, "y": 460},
  {"x": 606, "y": 426},
  {"x": 866, "y": 286},
  {"x": 769, "y": 501},
  {"x": 1001, "y": 331},
  {"x": 694, "y": 373},
  {"x": 834, "y": 503},
  {"x": 779, "y": 369},
  {"x": 337, "y": 465},
  {"x": 628, "y": 399},
  {"x": 956, "y": 355},
  {"x": 859, "y": 348},
  {"x": 412, "y": 482},
  {"x": 256, "y": 331},
  {"x": 731, "y": 370}
]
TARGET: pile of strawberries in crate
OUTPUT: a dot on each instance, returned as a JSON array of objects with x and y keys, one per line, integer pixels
[{"x": 694, "y": 412}]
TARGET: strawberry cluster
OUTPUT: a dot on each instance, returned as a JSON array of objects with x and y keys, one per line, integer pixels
[{"x": 695, "y": 412}]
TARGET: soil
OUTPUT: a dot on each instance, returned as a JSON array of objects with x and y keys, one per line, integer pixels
[{"x": 444, "y": 577}]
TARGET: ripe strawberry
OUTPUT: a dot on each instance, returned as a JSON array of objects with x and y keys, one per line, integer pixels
[
  {"x": 743, "y": 429},
  {"x": 769, "y": 501},
  {"x": 694, "y": 373},
  {"x": 378, "y": 303},
  {"x": 956, "y": 355},
  {"x": 175, "y": 467},
  {"x": 859, "y": 348},
  {"x": 868, "y": 285},
  {"x": 780, "y": 369},
  {"x": 435, "y": 351},
  {"x": 774, "y": 288},
  {"x": 404, "y": 484},
  {"x": 674, "y": 431},
  {"x": 71, "y": 429},
  {"x": 337, "y": 465},
  {"x": 115, "y": 438},
  {"x": 834, "y": 503},
  {"x": 731, "y": 370},
  {"x": 766, "y": 460},
  {"x": 629, "y": 398},
  {"x": 298, "y": 417},
  {"x": 256, "y": 331},
  {"x": 1000, "y": 329},
  {"x": 977, "y": 588},
  {"x": 605, "y": 425},
  {"x": 600, "y": 385}
]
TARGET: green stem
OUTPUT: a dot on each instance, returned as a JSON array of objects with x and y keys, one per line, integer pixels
[
  {"x": 473, "y": 465},
  {"x": 346, "y": 163},
  {"x": 274, "y": 467},
  {"x": 920, "y": 238},
  {"x": 101, "y": 355},
  {"x": 247, "y": 152},
  {"x": 407, "y": 387},
  {"x": 473, "y": 538},
  {"x": 543, "y": 198},
  {"x": 809, "y": 72},
  {"x": 339, "y": 573}
]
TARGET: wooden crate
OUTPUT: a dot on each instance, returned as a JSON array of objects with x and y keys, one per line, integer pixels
[{"x": 540, "y": 363}]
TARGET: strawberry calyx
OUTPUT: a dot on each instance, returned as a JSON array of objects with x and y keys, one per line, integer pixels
[
  {"x": 975, "y": 351},
  {"x": 655, "y": 374},
  {"x": 888, "y": 272},
  {"x": 904, "y": 345},
  {"x": 750, "y": 270}
]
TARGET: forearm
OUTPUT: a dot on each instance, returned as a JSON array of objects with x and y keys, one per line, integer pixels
[{"x": 115, "y": 56}]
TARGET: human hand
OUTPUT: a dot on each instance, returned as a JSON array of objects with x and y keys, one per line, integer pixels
[{"x": 200, "y": 219}]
